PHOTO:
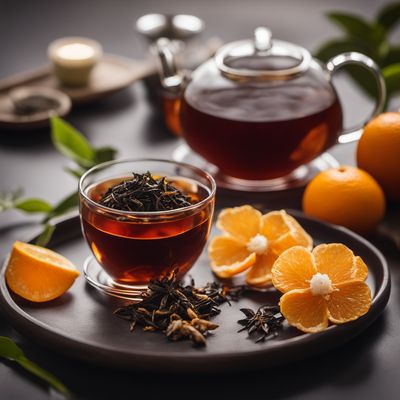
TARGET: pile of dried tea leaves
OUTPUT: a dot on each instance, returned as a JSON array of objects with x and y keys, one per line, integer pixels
[
  {"x": 180, "y": 312},
  {"x": 145, "y": 193},
  {"x": 263, "y": 323}
]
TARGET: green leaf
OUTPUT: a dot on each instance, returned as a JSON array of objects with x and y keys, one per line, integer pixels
[
  {"x": 9, "y": 199},
  {"x": 103, "y": 154},
  {"x": 360, "y": 75},
  {"x": 71, "y": 143},
  {"x": 363, "y": 78},
  {"x": 33, "y": 206},
  {"x": 66, "y": 204},
  {"x": 392, "y": 56},
  {"x": 389, "y": 16},
  {"x": 12, "y": 352},
  {"x": 335, "y": 47},
  {"x": 391, "y": 74},
  {"x": 9, "y": 349},
  {"x": 350, "y": 24},
  {"x": 76, "y": 172},
  {"x": 44, "y": 238},
  {"x": 357, "y": 27}
]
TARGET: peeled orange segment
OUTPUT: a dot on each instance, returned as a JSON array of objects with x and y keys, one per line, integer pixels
[
  {"x": 228, "y": 271},
  {"x": 348, "y": 302},
  {"x": 260, "y": 273},
  {"x": 336, "y": 260},
  {"x": 293, "y": 269},
  {"x": 284, "y": 231},
  {"x": 301, "y": 236},
  {"x": 224, "y": 250},
  {"x": 361, "y": 271},
  {"x": 304, "y": 310},
  {"x": 242, "y": 223},
  {"x": 38, "y": 274},
  {"x": 274, "y": 225}
]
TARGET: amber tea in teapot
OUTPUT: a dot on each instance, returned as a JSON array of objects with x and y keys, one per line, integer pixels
[
  {"x": 261, "y": 108},
  {"x": 259, "y": 133}
]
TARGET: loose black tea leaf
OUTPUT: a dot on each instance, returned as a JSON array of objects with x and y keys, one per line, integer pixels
[
  {"x": 35, "y": 104},
  {"x": 180, "y": 312},
  {"x": 262, "y": 324},
  {"x": 145, "y": 193}
]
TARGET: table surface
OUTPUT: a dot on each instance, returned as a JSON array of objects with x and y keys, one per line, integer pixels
[{"x": 366, "y": 367}]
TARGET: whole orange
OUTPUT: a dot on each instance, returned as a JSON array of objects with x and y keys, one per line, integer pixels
[
  {"x": 345, "y": 196},
  {"x": 378, "y": 152}
]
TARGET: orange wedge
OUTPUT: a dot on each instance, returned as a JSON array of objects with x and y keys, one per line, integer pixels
[
  {"x": 38, "y": 274},
  {"x": 229, "y": 257},
  {"x": 305, "y": 311}
]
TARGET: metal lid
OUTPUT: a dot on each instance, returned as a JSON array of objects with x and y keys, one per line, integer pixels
[{"x": 262, "y": 58}]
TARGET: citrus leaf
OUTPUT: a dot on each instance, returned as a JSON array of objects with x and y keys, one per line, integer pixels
[
  {"x": 359, "y": 28},
  {"x": 76, "y": 172},
  {"x": 351, "y": 24},
  {"x": 44, "y": 375},
  {"x": 11, "y": 351},
  {"x": 391, "y": 74},
  {"x": 33, "y": 206},
  {"x": 44, "y": 238},
  {"x": 66, "y": 204},
  {"x": 335, "y": 47},
  {"x": 392, "y": 56},
  {"x": 103, "y": 154},
  {"x": 9, "y": 199},
  {"x": 389, "y": 16},
  {"x": 71, "y": 143}
]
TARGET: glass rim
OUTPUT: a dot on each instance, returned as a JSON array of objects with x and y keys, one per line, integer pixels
[{"x": 149, "y": 214}]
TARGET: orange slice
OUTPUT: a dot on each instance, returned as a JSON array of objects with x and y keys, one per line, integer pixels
[
  {"x": 284, "y": 231},
  {"x": 229, "y": 257},
  {"x": 241, "y": 223},
  {"x": 304, "y": 311},
  {"x": 259, "y": 274},
  {"x": 38, "y": 274},
  {"x": 361, "y": 271},
  {"x": 293, "y": 269},
  {"x": 348, "y": 302},
  {"x": 336, "y": 260}
]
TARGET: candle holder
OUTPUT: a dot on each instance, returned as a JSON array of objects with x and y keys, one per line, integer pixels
[{"x": 73, "y": 59}]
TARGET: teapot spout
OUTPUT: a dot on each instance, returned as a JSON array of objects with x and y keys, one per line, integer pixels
[{"x": 169, "y": 76}]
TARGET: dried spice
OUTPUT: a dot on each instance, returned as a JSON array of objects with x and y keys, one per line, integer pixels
[
  {"x": 35, "y": 104},
  {"x": 180, "y": 312},
  {"x": 145, "y": 193},
  {"x": 262, "y": 324}
]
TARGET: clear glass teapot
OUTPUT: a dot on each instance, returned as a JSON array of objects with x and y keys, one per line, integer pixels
[{"x": 261, "y": 108}]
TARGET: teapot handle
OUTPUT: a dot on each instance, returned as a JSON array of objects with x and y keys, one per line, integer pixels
[{"x": 352, "y": 134}]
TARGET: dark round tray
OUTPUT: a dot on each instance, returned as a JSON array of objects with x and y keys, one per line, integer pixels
[{"x": 81, "y": 323}]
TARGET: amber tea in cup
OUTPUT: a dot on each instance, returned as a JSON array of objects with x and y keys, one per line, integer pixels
[{"x": 134, "y": 247}]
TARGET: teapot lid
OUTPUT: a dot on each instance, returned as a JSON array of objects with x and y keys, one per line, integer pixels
[{"x": 262, "y": 57}]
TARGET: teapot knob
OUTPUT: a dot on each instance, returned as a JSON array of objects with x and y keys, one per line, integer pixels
[{"x": 262, "y": 39}]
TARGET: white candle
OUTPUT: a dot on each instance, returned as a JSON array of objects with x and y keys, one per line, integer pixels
[
  {"x": 75, "y": 51},
  {"x": 73, "y": 59}
]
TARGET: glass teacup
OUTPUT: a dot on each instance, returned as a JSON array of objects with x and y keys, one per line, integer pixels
[{"x": 135, "y": 247}]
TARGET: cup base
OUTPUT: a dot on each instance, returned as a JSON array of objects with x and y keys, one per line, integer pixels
[
  {"x": 99, "y": 279},
  {"x": 298, "y": 178}
]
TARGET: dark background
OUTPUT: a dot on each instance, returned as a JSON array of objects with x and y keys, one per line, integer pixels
[{"x": 366, "y": 368}]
